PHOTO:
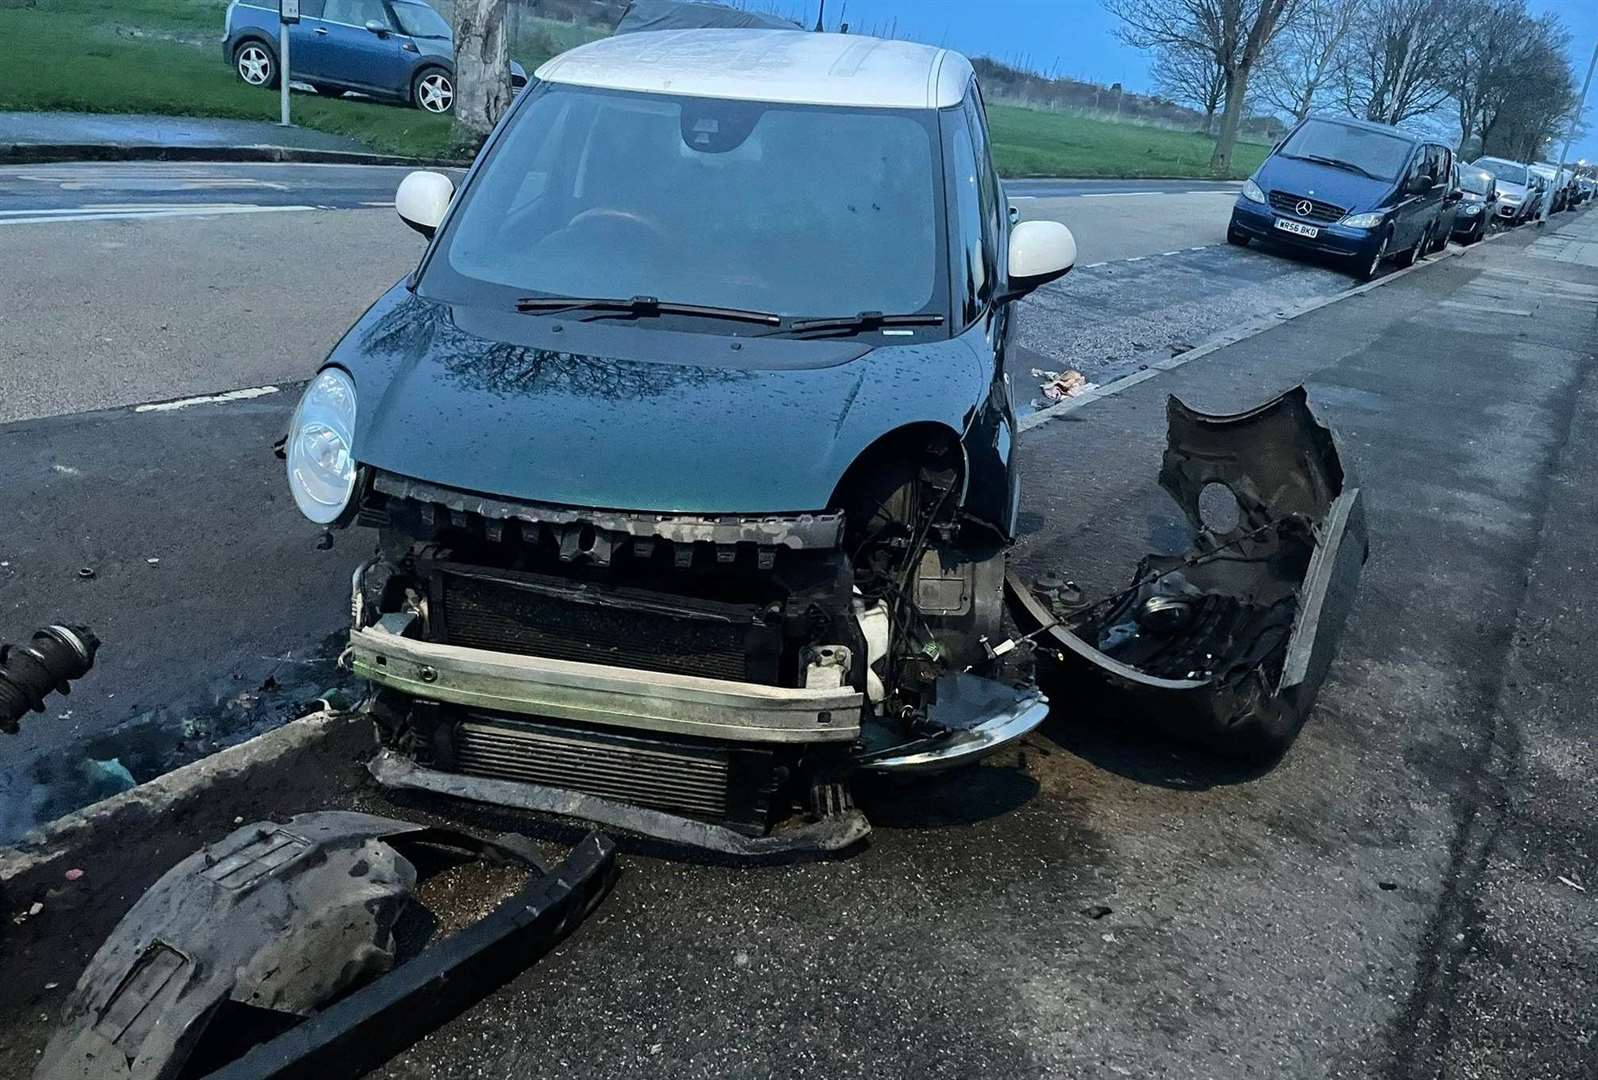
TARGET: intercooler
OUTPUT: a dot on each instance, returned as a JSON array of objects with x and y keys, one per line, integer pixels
[
  {"x": 725, "y": 785},
  {"x": 534, "y": 615}
]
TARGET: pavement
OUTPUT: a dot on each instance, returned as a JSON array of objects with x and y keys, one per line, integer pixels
[
  {"x": 1408, "y": 894},
  {"x": 140, "y": 130}
]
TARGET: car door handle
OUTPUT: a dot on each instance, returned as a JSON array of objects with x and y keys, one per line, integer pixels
[{"x": 321, "y": 30}]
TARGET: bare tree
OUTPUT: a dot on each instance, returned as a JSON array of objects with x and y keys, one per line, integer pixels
[
  {"x": 1404, "y": 59},
  {"x": 1309, "y": 55},
  {"x": 1535, "y": 95},
  {"x": 1235, "y": 32},
  {"x": 482, "y": 65},
  {"x": 1191, "y": 77}
]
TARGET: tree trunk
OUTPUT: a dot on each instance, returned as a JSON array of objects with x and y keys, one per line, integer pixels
[
  {"x": 482, "y": 64},
  {"x": 1209, "y": 121},
  {"x": 1231, "y": 120}
]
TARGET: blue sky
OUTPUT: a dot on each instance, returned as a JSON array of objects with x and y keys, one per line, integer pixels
[{"x": 1077, "y": 37}]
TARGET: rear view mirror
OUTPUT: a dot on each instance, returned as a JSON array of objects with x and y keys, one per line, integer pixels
[
  {"x": 422, "y": 200},
  {"x": 1040, "y": 252}
]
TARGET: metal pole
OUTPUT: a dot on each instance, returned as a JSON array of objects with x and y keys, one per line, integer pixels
[
  {"x": 283, "y": 73},
  {"x": 1570, "y": 137}
]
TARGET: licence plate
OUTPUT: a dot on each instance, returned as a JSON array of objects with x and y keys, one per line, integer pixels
[{"x": 1296, "y": 229}]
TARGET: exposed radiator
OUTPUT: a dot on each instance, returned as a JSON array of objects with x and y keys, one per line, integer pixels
[
  {"x": 690, "y": 779},
  {"x": 533, "y": 616}
]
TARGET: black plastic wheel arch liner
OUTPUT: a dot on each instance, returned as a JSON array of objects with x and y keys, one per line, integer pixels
[
  {"x": 1281, "y": 463},
  {"x": 270, "y": 937}
]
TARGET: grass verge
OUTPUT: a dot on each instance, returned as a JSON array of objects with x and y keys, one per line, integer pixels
[
  {"x": 164, "y": 57},
  {"x": 1032, "y": 142}
]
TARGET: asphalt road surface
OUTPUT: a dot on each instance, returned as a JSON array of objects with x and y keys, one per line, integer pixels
[{"x": 1407, "y": 895}]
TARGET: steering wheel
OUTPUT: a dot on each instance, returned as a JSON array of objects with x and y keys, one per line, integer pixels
[{"x": 628, "y": 217}]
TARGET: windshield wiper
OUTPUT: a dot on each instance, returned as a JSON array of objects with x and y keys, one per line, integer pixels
[
  {"x": 1336, "y": 163},
  {"x": 637, "y": 307},
  {"x": 858, "y": 324}
]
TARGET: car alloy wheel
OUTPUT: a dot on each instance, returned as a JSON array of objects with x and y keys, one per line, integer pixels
[
  {"x": 1375, "y": 266},
  {"x": 255, "y": 65},
  {"x": 435, "y": 93}
]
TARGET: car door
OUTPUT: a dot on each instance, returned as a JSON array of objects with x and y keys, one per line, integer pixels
[
  {"x": 305, "y": 44},
  {"x": 1409, "y": 219},
  {"x": 357, "y": 56}
]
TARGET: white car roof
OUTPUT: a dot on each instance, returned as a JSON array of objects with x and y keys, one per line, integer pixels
[{"x": 786, "y": 66}]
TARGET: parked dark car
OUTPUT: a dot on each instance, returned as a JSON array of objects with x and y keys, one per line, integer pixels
[
  {"x": 1478, "y": 204},
  {"x": 401, "y": 50},
  {"x": 1448, "y": 216},
  {"x": 1358, "y": 191},
  {"x": 690, "y": 452}
]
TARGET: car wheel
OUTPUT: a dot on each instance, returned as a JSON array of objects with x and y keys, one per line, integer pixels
[
  {"x": 433, "y": 91},
  {"x": 1233, "y": 236},
  {"x": 1369, "y": 271},
  {"x": 1410, "y": 257},
  {"x": 256, "y": 64}
]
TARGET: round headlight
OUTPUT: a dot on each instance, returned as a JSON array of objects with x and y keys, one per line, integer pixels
[{"x": 321, "y": 461}]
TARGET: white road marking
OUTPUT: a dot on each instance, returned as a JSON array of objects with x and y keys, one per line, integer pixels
[
  {"x": 1094, "y": 266},
  {"x": 1029, "y": 198},
  {"x": 208, "y": 399},
  {"x": 1135, "y": 258},
  {"x": 39, "y": 217},
  {"x": 389, "y": 203},
  {"x": 1212, "y": 191},
  {"x": 1121, "y": 194},
  {"x": 1178, "y": 251}
]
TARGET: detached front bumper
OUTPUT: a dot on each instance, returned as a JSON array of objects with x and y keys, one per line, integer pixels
[{"x": 1258, "y": 222}]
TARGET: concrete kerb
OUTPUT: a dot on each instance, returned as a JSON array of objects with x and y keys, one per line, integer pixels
[
  {"x": 57, "y": 842},
  {"x": 1232, "y": 337},
  {"x": 47, "y": 153}
]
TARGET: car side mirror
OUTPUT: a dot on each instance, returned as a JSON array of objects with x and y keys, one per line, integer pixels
[
  {"x": 1419, "y": 185},
  {"x": 422, "y": 199},
  {"x": 1040, "y": 252},
  {"x": 377, "y": 28}
]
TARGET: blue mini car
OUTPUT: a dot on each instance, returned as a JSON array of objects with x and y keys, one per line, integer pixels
[
  {"x": 401, "y": 50},
  {"x": 1359, "y": 191}
]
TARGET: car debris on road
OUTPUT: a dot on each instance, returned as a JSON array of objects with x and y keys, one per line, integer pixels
[{"x": 279, "y": 950}]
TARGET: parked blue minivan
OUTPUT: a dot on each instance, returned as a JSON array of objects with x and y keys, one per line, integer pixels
[
  {"x": 1360, "y": 191},
  {"x": 402, "y": 50}
]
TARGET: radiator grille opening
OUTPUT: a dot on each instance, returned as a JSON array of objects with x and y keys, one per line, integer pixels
[
  {"x": 1284, "y": 202},
  {"x": 613, "y": 627},
  {"x": 686, "y": 778}
]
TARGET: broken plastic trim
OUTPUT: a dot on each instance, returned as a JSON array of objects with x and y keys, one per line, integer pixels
[
  {"x": 834, "y": 832},
  {"x": 250, "y": 938},
  {"x": 372, "y": 1025},
  {"x": 821, "y": 530},
  {"x": 1282, "y": 466},
  {"x": 981, "y": 715}
]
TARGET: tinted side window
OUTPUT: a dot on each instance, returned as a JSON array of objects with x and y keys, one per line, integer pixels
[
  {"x": 311, "y": 9},
  {"x": 965, "y": 200},
  {"x": 355, "y": 12}
]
